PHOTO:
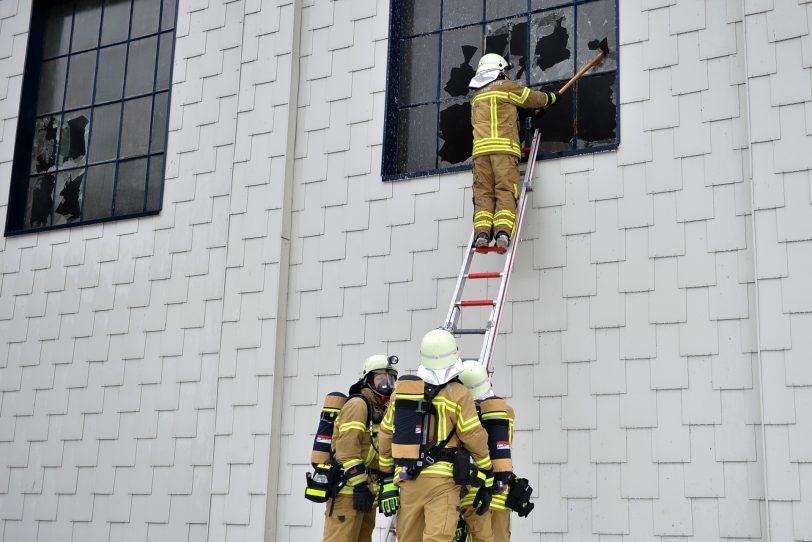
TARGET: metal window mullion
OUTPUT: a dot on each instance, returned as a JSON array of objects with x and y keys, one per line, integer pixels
[
  {"x": 123, "y": 104},
  {"x": 152, "y": 107},
  {"x": 92, "y": 109},
  {"x": 574, "y": 143},
  {"x": 168, "y": 92}
]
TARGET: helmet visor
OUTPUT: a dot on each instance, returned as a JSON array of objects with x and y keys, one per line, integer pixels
[{"x": 383, "y": 381}]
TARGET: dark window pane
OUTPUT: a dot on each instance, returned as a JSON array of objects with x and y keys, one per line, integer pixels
[
  {"x": 168, "y": 15},
  {"x": 145, "y": 17},
  {"x": 110, "y": 79},
  {"x": 46, "y": 139},
  {"x": 57, "y": 29},
  {"x": 116, "y": 24},
  {"x": 597, "y": 100},
  {"x": 40, "y": 200},
  {"x": 104, "y": 142},
  {"x": 509, "y": 39},
  {"x": 417, "y": 139},
  {"x": 556, "y": 126},
  {"x": 81, "y": 72},
  {"x": 159, "y": 115},
  {"x": 418, "y": 69},
  {"x": 496, "y": 9},
  {"x": 98, "y": 195},
  {"x": 596, "y": 21},
  {"x": 130, "y": 186},
  {"x": 164, "y": 61},
  {"x": 68, "y": 196},
  {"x": 141, "y": 66},
  {"x": 460, "y": 12},
  {"x": 86, "y": 25},
  {"x": 419, "y": 16},
  {"x": 461, "y": 53},
  {"x": 73, "y": 139},
  {"x": 52, "y": 85},
  {"x": 155, "y": 182},
  {"x": 135, "y": 127},
  {"x": 551, "y": 46},
  {"x": 456, "y": 134},
  {"x": 544, "y": 4}
]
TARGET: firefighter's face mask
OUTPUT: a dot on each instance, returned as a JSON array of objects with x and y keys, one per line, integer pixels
[{"x": 383, "y": 382}]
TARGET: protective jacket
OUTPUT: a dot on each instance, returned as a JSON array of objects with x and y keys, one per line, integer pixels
[
  {"x": 353, "y": 441},
  {"x": 455, "y": 411},
  {"x": 494, "y": 116},
  {"x": 498, "y": 500}
]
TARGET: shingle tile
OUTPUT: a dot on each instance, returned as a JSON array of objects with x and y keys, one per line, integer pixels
[
  {"x": 793, "y": 133},
  {"x": 667, "y": 302},
  {"x": 637, "y": 338},
  {"x": 664, "y": 172},
  {"x": 694, "y": 201},
  {"x": 761, "y": 60},
  {"x": 661, "y": 110},
  {"x": 578, "y": 474},
  {"x": 669, "y": 370},
  {"x": 634, "y": 85},
  {"x": 552, "y": 447},
  {"x": 791, "y": 219},
  {"x": 608, "y": 241},
  {"x": 661, "y": 49},
  {"x": 607, "y": 442},
  {"x": 775, "y": 330},
  {"x": 718, "y": 38},
  {"x": 736, "y": 437},
  {"x": 607, "y": 373},
  {"x": 580, "y": 278},
  {"x": 638, "y": 407},
  {"x": 607, "y": 308},
  {"x": 610, "y": 512},
  {"x": 800, "y": 446},
  {"x": 672, "y": 511},
  {"x": 704, "y": 476},
  {"x": 550, "y": 375},
  {"x": 551, "y": 313},
  {"x": 636, "y": 147},
  {"x": 738, "y": 515},
  {"x": 784, "y": 481},
  {"x": 635, "y": 208},
  {"x": 578, "y": 212},
  {"x": 553, "y": 507},
  {"x": 637, "y": 28},
  {"x": 732, "y": 368},
  {"x": 797, "y": 366},
  {"x": 637, "y": 272}
]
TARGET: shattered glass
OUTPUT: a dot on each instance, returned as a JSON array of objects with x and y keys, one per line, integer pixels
[
  {"x": 160, "y": 111},
  {"x": 419, "y": 17},
  {"x": 98, "y": 194},
  {"x": 116, "y": 23},
  {"x": 68, "y": 196},
  {"x": 556, "y": 126},
  {"x": 80, "y": 80},
  {"x": 156, "y": 176},
  {"x": 104, "y": 144},
  {"x": 135, "y": 127},
  {"x": 52, "y": 85},
  {"x": 40, "y": 200},
  {"x": 456, "y": 135},
  {"x": 141, "y": 66},
  {"x": 418, "y": 81},
  {"x": 417, "y": 139},
  {"x": 509, "y": 39},
  {"x": 551, "y": 46},
  {"x": 46, "y": 140},
  {"x": 130, "y": 186},
  {"x": 544, "y": 4},
  {"x": 74, "y": 138},
  {"x": 596, "y": 21},
  {"x": 597, "y": 101},
  {"x": 86, "y": 25},
  {"x": 461, "y": 53},
  {"x": 110, "y": 78},
  {"x": 461, "y": 12},
  {"x": 497, "y": 9},
  {"x": 57, "y": 30}
]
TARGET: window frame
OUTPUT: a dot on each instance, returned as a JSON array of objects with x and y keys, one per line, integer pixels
[
  {"x": 28, "y": 116},
  {"x": 391, "y": 133}
]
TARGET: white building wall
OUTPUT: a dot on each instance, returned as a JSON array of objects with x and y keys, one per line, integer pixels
[{"x": 137, "y": 358}]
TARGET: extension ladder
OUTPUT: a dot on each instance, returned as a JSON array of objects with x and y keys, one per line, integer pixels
[{"x": 491, "y": 327}]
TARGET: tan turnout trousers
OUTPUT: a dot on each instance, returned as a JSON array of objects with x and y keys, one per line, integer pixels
[
  {"x": 496, "y": 183},
  {"x": 479, "y": 527},
  {"x": 429, "y": 509},
  {"x": 500, "y": 523},
  {"x": 348, "y": 524}
]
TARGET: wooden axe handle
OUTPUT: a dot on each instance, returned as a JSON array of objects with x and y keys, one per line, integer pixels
[{"x": 582, "y": 71}]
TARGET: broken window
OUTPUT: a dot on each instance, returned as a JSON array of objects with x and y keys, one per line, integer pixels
[
  {"x": 434, "y": 51},
  {"x": 92, "y": 128}
]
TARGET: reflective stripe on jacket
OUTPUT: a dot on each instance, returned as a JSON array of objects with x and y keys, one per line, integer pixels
[
  {"x": 353, "y": 441},
  {"x": 497, "y": 500},
  {"x": 494, "y": 116}
]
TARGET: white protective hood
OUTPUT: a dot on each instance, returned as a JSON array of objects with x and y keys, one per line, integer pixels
[
  {"x": 487, "y": 395},
  {"x": 441, "y": 376},
  {"x": 483, "y": 78}
]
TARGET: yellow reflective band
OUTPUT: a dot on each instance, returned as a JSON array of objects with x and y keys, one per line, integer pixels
[
  {"x": 350, "y": 463},
  {"x": 505, "y": 222},
  {"x": 316, "y": 492},
  {"x": 506, "y": 212},
  {"x": 330, "y": 409},
  {"x": 352, "y": 425},
  {"x": 483, "y": 213},
  {"x": 386, "y": 461},
  {"x": 412, "y": 396},
  {"x": 497, "y": 415},
  {"x": 484, "y": 461},
  {"x": 494, "y": 123},
  {"x": 443, "y": 468},
  {"x": 520, "y": 99}
]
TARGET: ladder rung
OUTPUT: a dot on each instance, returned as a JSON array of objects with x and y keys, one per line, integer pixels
[
  {"x": 489, "y": 275},
  {"x": 476, "y": 302},
  {"x": 483, "y": 250},
  {"x": 469, "y": 331}
]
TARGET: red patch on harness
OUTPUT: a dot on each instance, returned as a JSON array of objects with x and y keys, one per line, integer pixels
[
  {"x": 502, "y": 445},
  {"x": 324, "y": 439},
  {"x": 418, "y": 429}
]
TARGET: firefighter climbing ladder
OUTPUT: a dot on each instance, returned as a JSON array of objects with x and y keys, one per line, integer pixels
[{"x": 491, "y": 327}]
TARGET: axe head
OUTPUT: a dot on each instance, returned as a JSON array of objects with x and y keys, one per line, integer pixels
[{"x": 604, "y": 47}]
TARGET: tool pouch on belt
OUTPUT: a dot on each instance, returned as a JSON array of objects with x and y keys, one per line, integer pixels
[
  {"x": 410, "y": 410},
  {"x": 324, "y": 434},
  {"x": 323, "y": 483},
  {"x": 493, "y": 414},
  {"x": 461, "y": 532},
  {"x": 461, "y": 470},
  {"x": 518, "y": 498}
]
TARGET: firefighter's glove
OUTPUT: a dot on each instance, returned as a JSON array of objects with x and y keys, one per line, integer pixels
[
  {"x": 518, "y": 498},
  {"x": 482, "y": 500},
  {"x": 482, "y": 478},
  {"x": 552, "y": 98},
  {"x": 389, "y": 497},
  {"x": 362, "y": 498}
]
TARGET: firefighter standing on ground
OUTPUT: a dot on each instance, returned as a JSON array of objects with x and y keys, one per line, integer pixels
[
  {"x": 353, "y": 512},
  {"x": 497, "y": 151},
  {"x": 429, "y": 498},
  {"x": 497, "y": 416}
]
